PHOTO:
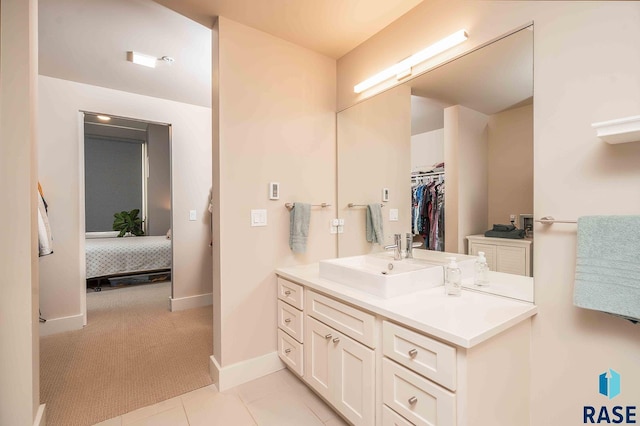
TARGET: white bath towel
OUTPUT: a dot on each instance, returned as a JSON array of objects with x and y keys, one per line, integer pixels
[
  {"x": 299, "y": 218},
  {"x": 608, "y": 265},
  {"x": 45, "y": 240}
]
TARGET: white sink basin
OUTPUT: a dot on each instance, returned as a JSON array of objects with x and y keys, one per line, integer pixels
[{"x": 381, "y": 275}]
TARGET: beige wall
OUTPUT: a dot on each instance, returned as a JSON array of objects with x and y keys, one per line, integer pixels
[
  {"x": 586, "y": 70},
  {"x": 427, "y": 149},
  {"x": 19, "y": 339},
  {"x": 374, "y": 152},
  {"x": 510, "y": 164},
  {"x": 465, "y": 158},
  {"x": 60, "y": 162},
  {"x": 276, "y": 123}
]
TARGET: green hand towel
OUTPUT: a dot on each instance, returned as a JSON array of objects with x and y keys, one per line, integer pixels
[
  {"x": 374, "y": 229},
  {"x": 299, "y": 217},
  {"x": 608, "y": 265}
]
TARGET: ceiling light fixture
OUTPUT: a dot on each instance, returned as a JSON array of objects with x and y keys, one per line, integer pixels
[
  {"x": 403, "y": 68},
  {"x": 142, "y": 59},
  {"x": 103, "y": 117}
]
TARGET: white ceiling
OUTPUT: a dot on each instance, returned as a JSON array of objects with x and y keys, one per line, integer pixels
[
  {"x": 492, "y": 79},
  {"x": 330, "y": 27},
  {"x": 86, "y": 41}
]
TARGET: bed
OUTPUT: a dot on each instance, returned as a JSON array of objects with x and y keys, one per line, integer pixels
[{"x": 110, "y": 257}]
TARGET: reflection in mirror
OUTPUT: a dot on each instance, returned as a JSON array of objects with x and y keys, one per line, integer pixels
[{"x": 453, "y": 148}]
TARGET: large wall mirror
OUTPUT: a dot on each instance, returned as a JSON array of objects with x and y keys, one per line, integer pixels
[{"x": 461, "y": 133}]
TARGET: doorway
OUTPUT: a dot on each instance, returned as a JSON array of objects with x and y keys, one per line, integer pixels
[{"x": 127, "y": 202}]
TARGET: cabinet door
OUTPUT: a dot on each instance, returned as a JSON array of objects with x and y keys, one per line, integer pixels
[
  {"x": 511, "y": 260},
  {"x": 317, "y": 355},
  {"x": 353, "y": 371},
  {"x": 489, "y": 252}
]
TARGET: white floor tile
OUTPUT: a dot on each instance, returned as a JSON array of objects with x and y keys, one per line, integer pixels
[
  {"x": 216, "y": 409},
  {"x": 141, "y": 413},
  {"x": 282, "y": 409},
  {"x": 116, "y": 421},
  {"x": 260, "y": 388},
  {"x": 307, "y": 396},
  {"x": 336, "y": 421},
  {"x": 172, "y": 417}
]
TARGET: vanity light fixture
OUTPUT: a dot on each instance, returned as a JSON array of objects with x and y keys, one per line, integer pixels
[
  {"x": 142, "y": 59},
  {"x": 103, "y": 117},
  {"x": 403, "y": 68}
]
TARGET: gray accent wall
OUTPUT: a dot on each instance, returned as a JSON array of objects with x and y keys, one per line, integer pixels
[
  {"x": 159, "y": 181},
  {"x": 113, "y": 180}
]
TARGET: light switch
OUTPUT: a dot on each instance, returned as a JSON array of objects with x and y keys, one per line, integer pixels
[
  {"x": 192, "y": 215},
  {"x": 259, "y": 217},
  {"x": 393, "y": 215}
]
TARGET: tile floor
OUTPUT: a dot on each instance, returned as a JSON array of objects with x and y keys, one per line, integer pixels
[{"x": 279, "y": 399}]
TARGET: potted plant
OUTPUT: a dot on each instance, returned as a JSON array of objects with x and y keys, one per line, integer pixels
[{"x": 128, "y": 223}]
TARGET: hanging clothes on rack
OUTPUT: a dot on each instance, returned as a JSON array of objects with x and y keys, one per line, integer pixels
[{"x": 427, "y": 209}]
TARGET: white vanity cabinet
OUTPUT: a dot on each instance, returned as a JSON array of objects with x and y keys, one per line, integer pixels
[
  {"x": 511, "y": 256},
  {"x": 338, "y": 365},
  {"x": 421, "y": 359},
  {"x": 290, "y": 325}
]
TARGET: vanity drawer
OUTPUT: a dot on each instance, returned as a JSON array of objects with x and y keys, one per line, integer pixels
[
  {"x": 424, "y": 355},
  {"x": 290, "y": 320},
  {"x": 354, "y": 323},
  {"x": 421, "y": 401},
  {"x": 290, "y": 293},
  {"x": 290, "y": 352},
  {"x": 391, "y": 418}
]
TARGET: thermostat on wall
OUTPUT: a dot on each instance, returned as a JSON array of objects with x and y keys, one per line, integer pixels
[
  {"x": 274, "y": 190},
  {"x": 385, "y": 194}
]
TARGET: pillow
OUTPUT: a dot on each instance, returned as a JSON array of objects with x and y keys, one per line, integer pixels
[{"x": 169, "y": 234}]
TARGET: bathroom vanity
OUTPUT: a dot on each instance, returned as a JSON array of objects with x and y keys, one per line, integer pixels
[{"x": 419, "y": 357}]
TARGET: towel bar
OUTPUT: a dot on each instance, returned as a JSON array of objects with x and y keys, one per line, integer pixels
[
  {"x": 549, "y": 220},
  {"x": 361, "y": 205},
  {"x": 323, "y": 205}
]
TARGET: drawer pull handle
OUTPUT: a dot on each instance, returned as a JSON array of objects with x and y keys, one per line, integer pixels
[
  {"x": 287, "y": 292},
  {"x": 413, "y": 353},
  {"x": 412, "y": 400},
  {"x": 336, "y": 340},
  {"x": 286, "y": 351},
  {"x": 288, "y": 320},
  {"x": 328, "y": 336}
]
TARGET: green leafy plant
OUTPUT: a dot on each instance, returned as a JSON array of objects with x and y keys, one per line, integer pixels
[{"x": 126, "y": 222}]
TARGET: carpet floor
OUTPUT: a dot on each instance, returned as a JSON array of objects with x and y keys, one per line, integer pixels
[{"x": 132, "y": 353}]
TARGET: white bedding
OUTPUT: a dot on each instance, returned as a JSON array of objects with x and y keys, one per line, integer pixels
[{"x": 110, "y": 256}]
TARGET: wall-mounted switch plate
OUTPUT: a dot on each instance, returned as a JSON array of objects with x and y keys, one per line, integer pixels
[
  {"x": 393, "y": 215},
  {"x": 193, "y": 215},
  {"x": 259, "y": 217}
]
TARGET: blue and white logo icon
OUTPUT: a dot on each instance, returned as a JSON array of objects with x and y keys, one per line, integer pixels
[{"x": 610, "y": 386}]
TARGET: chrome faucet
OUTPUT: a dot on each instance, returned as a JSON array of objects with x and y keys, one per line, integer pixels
[
  {"x": 397, "y": 247},
  {"x": 410, "y": 245}
]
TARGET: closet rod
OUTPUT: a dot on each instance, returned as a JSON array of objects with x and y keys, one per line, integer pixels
[
  {"x": 361, "y": 205},
  {"x": 549, "y": 220},
  {"x": 323, "y": 205},
  {"x": 427, "y": 174}
]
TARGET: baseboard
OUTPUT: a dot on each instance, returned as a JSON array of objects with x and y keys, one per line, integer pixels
[
  {"x": 59, "y": 325},
  {"x": 245, "y": 371},
  {"x": 40, "y": 419},
  {"x": 190, "y": 302}
]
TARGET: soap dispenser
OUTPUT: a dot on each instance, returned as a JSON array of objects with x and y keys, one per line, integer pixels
[
  {"x": 453, "y": 278},
  {"x": 481, "y": 277}
]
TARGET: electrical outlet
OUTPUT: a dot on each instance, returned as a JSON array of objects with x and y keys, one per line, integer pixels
[{"x": 512, "y": 217}]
